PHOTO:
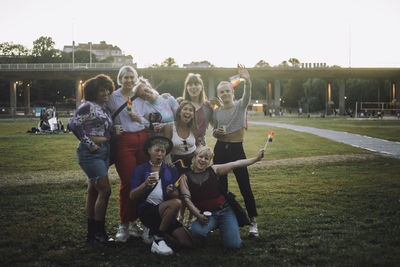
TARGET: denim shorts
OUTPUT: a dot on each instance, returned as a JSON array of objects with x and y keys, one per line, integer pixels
[{"x": 94, "y": 164}]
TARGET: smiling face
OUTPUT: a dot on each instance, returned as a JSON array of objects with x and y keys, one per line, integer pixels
[
  {"x": 102, "y": 96},
  {"x": 225, "y": 92},
  {"x": 201, "y": 162},
  {"x": 128, "y": 80},
  {"x": 202, "y": 159},
  {"x": 194, "y": 89}
]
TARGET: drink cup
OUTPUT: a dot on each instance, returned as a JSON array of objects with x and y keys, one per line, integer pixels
[
  {"x": 117, "y": 129},
  {"x": 224, "y": 128},
  {"x": 207, "y": 214}
]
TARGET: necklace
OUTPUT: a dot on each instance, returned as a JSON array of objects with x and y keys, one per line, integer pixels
[{"x": 154, "y": 165}]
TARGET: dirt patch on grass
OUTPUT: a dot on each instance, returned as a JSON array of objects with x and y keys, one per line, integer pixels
[
  {"x": 314, "y": 160},
  {"x": 43, "y": 177}
]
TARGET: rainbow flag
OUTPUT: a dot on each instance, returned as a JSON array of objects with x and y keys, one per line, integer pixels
[
  {"x": 181, "y": 163},
  {"x": 178, "y": 182},
  {"x": 235, "y": 80},
  {"x": 270, "y": 135},
  {"x": 129, "y": 105}
]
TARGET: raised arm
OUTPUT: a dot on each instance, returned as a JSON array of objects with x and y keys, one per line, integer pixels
[
  {"x": 222, "y": 169},
  {"x": 244, "y": 73}
]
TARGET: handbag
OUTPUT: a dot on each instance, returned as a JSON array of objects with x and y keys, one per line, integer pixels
[{"x": 240, "y": 213}]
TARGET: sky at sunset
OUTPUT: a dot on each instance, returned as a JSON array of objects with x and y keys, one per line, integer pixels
[{"x": 225, "y": 32}]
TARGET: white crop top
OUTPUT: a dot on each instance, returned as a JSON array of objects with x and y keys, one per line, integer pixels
[{"x": 182, "y": 146}]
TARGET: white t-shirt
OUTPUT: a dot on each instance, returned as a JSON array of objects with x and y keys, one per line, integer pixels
[{"x": 156, "y": 196}]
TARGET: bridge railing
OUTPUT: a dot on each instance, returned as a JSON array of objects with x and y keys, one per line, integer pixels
[{"x": 60, "y": 66}]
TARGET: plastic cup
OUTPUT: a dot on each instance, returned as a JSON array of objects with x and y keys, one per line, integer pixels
[
  {"x": 207, "y": 214},
  {"x": 117, "y": 129},
  {"x": 224, "y": 128}
]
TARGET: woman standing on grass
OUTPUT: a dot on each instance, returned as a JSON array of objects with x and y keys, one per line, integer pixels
[
  {"x": 92, "y": 125},
  {"x": 194, "y": 91},
  {"x": 129, "y": 148},
  {"x": 229, "y": 124}
]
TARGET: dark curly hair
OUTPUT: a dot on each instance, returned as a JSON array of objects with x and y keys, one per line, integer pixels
[{"x": 94, "y": 85}]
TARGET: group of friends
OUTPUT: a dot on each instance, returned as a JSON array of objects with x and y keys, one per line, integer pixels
[{"x": 165, "y": 168}]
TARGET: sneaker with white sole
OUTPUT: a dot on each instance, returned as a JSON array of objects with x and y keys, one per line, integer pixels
[
  {"x": 253, "y": 229},
  {"x": 160, "y": 247},
  {"x": 135, "y": 230},
  {"x": 147, "y": 238},
  {"x": 122, "y": 234}
]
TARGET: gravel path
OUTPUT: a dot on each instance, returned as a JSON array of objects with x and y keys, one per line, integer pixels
[{"x": 381, "y": 146}]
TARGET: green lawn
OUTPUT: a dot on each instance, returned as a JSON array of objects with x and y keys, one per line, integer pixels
[{"x": 340, "y": 213}]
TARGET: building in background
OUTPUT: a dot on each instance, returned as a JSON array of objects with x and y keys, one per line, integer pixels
[{"x": 104, "y": 52}]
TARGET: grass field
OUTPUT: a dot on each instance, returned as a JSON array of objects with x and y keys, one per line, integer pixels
[{"x": 318, "y": 213}]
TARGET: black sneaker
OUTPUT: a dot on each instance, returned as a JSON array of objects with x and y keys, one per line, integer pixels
[{"x": 102, "y": 239}]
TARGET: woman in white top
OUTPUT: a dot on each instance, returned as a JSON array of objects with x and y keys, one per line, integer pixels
[{"x": 183, "y": 133}]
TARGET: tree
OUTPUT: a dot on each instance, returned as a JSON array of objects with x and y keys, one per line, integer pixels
[
  {"x": 44, "y": 51},
  {"x": 10, "y": 49},
  {"x": 169, "y": 62},
  {"x": 283, "y": 64},
  {"x": 262, "y": 64},
  {"x": 293, "y": 93},
  {"x": 294, "y": 62}
]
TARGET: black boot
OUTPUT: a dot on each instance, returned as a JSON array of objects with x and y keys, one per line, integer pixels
[
  {"x": 91, "y": 225},
  {"x": 100, "y": 235}
]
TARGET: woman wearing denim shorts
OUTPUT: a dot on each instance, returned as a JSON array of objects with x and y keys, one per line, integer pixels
[{"x": 92, "y": 125}]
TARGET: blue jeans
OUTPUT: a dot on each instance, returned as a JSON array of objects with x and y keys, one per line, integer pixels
[{"x": 226, "y": 221}]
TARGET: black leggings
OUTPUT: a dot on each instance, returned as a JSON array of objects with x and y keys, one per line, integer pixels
[{"x": 227, "y": 152}]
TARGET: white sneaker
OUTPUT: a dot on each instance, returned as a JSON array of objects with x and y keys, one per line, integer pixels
[
  {"x": 122, "y": 234},
  {"x": 135, "y": 230},
  {"x": 147, "y": 238},
  {"x": 161, "y": 248},
  {"x": 253, "y": 229}
]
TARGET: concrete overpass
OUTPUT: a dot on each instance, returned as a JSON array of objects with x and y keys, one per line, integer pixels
[{"x": 79, "y": 72}]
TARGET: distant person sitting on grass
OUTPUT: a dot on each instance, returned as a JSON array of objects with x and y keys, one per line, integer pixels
[{"x": 92, "y": 125}]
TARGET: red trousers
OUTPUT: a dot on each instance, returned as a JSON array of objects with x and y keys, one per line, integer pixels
[{"x": 129, "y": 155}]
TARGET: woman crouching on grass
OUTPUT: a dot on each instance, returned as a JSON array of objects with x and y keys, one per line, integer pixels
[
  {"x": 152, "y": 184},
  {"x": 201, "y": 192},
  {"x": 92, "y": 125}
]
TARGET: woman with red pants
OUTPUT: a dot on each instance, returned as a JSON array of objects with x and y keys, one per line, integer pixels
[{"x": 129, "y": 148}]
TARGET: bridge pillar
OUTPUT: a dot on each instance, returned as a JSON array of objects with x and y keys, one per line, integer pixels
[
  {"x": 13, "y": 98},
  {"x": 27, "y": 99},
  {"x": 211, "y": 88},
  {"x": 342, "y": 88},
  {"x": 277, "y": 96},
  {"x": 78, "y": 92}
]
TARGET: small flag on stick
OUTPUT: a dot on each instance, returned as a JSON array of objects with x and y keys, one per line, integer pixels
[
  {"x": 269, "y": 139},
  {"x": 178, "y": 182},
  {"x": 129, "y": 105},
  {"x": 180, "y": 161},
  {"x": 235, "y": 80}
]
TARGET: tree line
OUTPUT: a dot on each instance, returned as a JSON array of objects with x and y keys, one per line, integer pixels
[{"x": 310, "y": 94}]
